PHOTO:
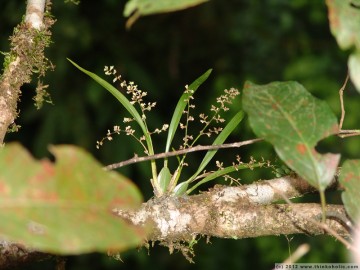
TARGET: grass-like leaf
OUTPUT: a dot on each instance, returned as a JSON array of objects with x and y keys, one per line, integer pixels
[
  {"x": 222, "y": 172},
  {"x": 178, "y": 112},
  {"x": 219, "y": 140},
  {"x": 134, "y": 113},
  {"x": 117, "y": 94}
]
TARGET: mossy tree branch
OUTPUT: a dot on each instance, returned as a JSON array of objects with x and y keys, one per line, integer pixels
[{"x": 26, "y": 57}]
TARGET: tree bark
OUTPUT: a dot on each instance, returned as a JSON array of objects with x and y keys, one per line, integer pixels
[
  {"x": 246, "y": 211},
  {"x": 15, "y": 255},
  {"x": 237, "y": 212},
  {"x": 26, "y": 55}
]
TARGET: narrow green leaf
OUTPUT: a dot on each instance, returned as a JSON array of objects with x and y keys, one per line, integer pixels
[
  {"x": 64, "y": 207},
  {"x": 117, "y": 94},
  {"x": 222, "y": 172},
  {"x": 134, "y": 113},
  {"x": 290, "y": 118},
  {"x": 178, "y": 112},
  {"x": 164, "y": 178},
  {"x": 234, "y": 122},
  {"x": 350, "y": 180}
]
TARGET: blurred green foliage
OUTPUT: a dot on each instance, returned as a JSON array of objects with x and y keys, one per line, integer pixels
[{"x": 261, "y": 41}]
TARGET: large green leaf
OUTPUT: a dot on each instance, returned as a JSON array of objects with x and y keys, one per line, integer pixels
[
  {"x": 350, "y": 180},
  {"x": 290, "y": 118},
  {"x": 344, "y": 17},
  {"x": 147, "y": 7},
  {"x": 64, "y": 207},
  {"x": 344, "y": 20},
  {"x": 354, "y": 69},
  {"x": 138, "y": 8}
]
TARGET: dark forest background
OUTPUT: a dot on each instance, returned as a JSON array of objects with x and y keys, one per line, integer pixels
[{"x": 261, "y": 41}]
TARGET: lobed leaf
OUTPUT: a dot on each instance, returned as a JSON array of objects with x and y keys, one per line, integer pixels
[
  {"x": 350, "y": 180},
  {"x": 290, "y": 118},
  {"x": 64, "y": 207}
]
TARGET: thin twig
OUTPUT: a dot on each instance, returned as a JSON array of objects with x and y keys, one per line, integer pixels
[
  {"x": 350, "y": 132},
  {"x": 136, "y": 159},
  {"x": 341, "y": 94},
  {"x": 180, "y": 152}
]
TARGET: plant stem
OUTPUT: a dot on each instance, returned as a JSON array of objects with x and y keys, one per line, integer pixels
[
  {"x": 154, "y": 182},
  {"x": 323, "y": 205}
]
